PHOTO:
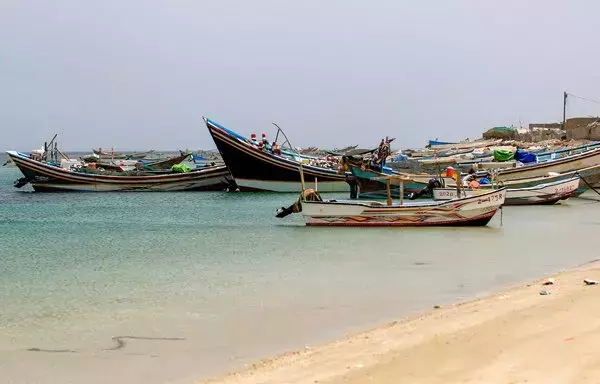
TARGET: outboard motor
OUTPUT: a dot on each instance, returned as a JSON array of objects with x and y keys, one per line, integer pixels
[
  {"x": 283, "y": 211},
  {"x": 428, "y": 190},
  {"x": 307, "y": 195},
  {"x": 21, "y": 182}
]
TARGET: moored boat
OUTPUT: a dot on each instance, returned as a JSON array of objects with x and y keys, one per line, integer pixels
[
  {"x": 542, "y": 194},
  {"x": 372, "y": 183},
  {"x": 566, "y": 164},
  {"x": 433, "y": 143},
  {"x": 259, "y": 169},
  {"x": 164, "y": 164},
  {"x": 125, "y": 156},
  {"x": 45, "y": 177},
  {"x": 469, "y": 211},
  {"x": 589, "y": 176}
]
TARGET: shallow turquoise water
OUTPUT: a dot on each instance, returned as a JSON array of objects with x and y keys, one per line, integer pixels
[{"x": 220, "y": 271}]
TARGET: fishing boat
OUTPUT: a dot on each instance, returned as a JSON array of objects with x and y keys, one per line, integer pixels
[
  {"x": 50, "y": 177},
  {"x": 468, "y": 211},
  {"x": 559, "y": 153},
  {"x": 588, "y": 177},
  {"x": 119, "y": 156},
  {"x": 433, "y": 143},
  {"x": 260, "y": 169},
  {"x": 468, "y": 144},
  {"x": 372, "y": 183},
  {"x": 164, "y": 164},
  {"x": 542, "y": 194},
  {"x": 566, "y": 164}
]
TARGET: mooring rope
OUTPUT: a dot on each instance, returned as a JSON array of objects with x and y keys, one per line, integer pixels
[{"x": 588, "y": 184}]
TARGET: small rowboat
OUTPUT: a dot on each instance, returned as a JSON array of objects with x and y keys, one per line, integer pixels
[
  {"x": 468, "y": 211},
  {"x": 549, "y": 193}
]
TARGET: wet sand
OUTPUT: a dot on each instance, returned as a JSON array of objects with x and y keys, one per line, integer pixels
[{"x": 514, "y": 336}]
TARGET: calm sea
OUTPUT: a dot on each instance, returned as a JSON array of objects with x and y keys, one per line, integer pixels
[{"x": 229, "y": 281}]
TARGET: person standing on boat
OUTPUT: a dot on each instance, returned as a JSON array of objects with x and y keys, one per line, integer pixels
[
  {"x": 253, "y": 139},
  {"x": 384, "y": 151},
  {"x": 264, "y": 143},
  {"x": 275, "y": 149}
]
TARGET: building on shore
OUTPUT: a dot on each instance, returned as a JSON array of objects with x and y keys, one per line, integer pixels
[{"x": 583, "y": 128}]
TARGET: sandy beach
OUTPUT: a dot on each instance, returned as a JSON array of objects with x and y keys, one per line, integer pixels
[{"x": 514, "y": 336}]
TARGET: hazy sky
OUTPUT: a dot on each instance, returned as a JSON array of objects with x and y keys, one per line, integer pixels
[{"x": 141, "y": 74}]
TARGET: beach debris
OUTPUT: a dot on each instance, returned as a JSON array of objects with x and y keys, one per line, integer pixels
[
  {"x": 549, "y": 281},
  {"x": 52, "y": 350},
  {"x": 545, "y": 293},
  {"x": 436, "y": 307},
  {"x": 590, "y": 282}
]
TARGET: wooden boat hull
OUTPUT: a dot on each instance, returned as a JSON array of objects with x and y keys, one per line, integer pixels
[
  {"x": 257, "y": 170},
  {"x": 470, "y": 211},
  {"x": 567, "y": 164},
  {"x": 433, "y": 143},
  {"x": 543, "y": 194},
  {"x": 588, "y": 176},
  {"x": 48, "y": 178}
]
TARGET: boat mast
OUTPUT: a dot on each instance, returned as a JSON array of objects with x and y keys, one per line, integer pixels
[
  {"x": 293, "y": 149},
  {"x": 564, "y": 110},
  {"x": 48, "y": 148}
]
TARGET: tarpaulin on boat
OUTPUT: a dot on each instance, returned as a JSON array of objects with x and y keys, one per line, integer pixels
[
  {"x": 503, "y": 155},
  {"x": 181, "y": 168},
  {"x": 525, "y": 157}
]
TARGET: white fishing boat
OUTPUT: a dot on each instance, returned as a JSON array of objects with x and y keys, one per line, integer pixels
[
  {"x": 548, "y": 193},
  {"x": 467, "y": 211},
  {"x": 566, "y": 164}
]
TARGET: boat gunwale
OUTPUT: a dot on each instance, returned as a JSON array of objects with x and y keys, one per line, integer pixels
[
  {"x": 484, "y": 217},
  {"x": 404, "y": 207},
  {"x": 550, "y": 163}
]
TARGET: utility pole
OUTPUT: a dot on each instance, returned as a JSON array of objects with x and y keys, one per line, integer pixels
[{"x": 564, "y": 110}]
